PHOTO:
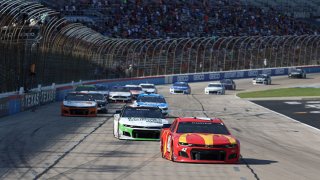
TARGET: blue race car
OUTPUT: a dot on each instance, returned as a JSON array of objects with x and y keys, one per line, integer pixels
[
  {"x": 180, "y": 88},
  {"x": 152, "y": 100}
]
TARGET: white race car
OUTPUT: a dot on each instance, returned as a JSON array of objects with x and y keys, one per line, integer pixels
[
  {"x": 215, "y": 88},
  {"x": 119, "y": 93},
  {"x": 148, "y": 88},
  {"x": 138, "y": 123},
  {"x": 262, "y": 79}
]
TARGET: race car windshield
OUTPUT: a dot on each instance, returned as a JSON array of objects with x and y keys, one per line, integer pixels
[
  {"x": 134, "y": 88},
  {"x": 214, "y": 85},
  {"x": 78, "y": 97},
  {"x": 147, "y": 86},
  {"x": 85, "y": 88},
  {"x": 151, "y": 99},
  {"x": 97, "y": 96},
  {"x": 143, "y": 113},
  {"x": 296, "y": 70},
  {"x": 226, "y": 81},
  {"x": 181, "y": 85},
  {"x": 119, "y": 89},
  {"x": 261, "y": 76},
  {"x": 202, "y": 127}
]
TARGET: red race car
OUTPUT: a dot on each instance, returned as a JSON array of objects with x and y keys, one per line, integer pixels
[{"x": 199, "y": 140}]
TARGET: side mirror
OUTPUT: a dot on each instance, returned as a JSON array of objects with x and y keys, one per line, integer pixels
[
  {"x": 118, "y": 112},
  {"x": 166, "y": 126}
]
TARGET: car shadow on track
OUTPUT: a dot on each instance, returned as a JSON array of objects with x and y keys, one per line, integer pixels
[{"x": 252, "y": 161}]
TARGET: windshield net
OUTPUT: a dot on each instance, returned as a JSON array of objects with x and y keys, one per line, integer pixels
[
  {"x": 146, "y": 113},
  {"x": 202, "y": 127}
]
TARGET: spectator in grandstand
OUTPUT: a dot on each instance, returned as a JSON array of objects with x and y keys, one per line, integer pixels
[{"x": 181, "y": 18}]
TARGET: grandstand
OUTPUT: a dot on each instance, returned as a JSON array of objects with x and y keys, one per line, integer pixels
[
  {"x": 294, "y": 8},
  {"x": 198, "y": 18}
]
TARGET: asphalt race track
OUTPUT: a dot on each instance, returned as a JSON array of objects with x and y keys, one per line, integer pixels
[
  {"x": 305, "y": 111},
  {"x": 41, "y": 144}
]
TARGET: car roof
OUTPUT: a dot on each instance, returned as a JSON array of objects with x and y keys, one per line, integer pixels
[
  {"x": 141, "y": 107},
  {"x": 216, "y": 83},
  {"x": 150, "y": 95},
  {"x": 199, "y": 119},
  {"x": 146, "y": 84},
  {"x": 226, "y": 80},
  {"x": 132, "y": 85},
  {"x": 180, "y": 82}
]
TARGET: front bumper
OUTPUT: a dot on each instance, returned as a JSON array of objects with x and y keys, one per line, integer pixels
[
  {"x": 139, "y": 134},
  {"x": 77, "y": 111},
  {"x": 259, "y": 82},
  {"x": 179, "y": 91},
  {"x": 218, "y": 92},
  {"x": 295, "y": 76},
  {"x": 120, "y": 98},
  {"x": 206, "y": 155}
]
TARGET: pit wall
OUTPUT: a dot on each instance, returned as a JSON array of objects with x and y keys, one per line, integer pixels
[{"x": 13, "y": 104}]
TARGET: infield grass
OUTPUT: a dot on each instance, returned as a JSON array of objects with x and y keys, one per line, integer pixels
[{"x": 283, "y": 92}]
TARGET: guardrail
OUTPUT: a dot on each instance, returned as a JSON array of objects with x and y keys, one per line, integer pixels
[{"x": 17, "y": 103}]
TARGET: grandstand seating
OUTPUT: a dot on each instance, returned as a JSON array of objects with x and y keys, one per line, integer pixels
[{"x": 196, "y": 18}]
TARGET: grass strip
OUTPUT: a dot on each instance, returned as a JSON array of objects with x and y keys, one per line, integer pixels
[{"x": 283, "y": 92}]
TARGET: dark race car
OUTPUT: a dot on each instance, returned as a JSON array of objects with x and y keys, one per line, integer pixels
[
  {"x": 297, "y": 73},
  {"x": 101, "y": 100},
  {"x": 199, "y": 140},
  {"x": 229, "y": 84}
]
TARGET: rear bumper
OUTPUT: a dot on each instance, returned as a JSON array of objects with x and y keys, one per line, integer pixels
[
  {"x": 77, "y": 111},
  {"x": 120, "y": 99}
]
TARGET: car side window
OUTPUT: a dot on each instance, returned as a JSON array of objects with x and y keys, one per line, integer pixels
[{"x": 173, "y": 126}]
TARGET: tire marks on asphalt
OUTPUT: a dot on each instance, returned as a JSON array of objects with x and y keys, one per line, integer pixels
[{"x": 68, "y": 151}]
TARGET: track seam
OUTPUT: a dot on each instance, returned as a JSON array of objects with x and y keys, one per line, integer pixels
[{"x": 67, "y": 152}]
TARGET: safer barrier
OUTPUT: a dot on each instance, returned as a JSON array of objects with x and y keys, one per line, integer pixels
[{"x": 18, "y": 103}]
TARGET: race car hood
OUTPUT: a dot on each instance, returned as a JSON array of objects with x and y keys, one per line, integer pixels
[
  {"x": 151, "y": 104},
  {"x": 136, "y": 92},
  {"x": 114, "y": 93},
  {"x": 80, "y": 103},
  {"x": 206, "y": 139},
  {"x": 295, "y": 73},
  {"x": 145, "y": 122},
  {"x": 149, "y": 90},
  {"x": 214, "y": 88},
  {"x": 259, "y": 79},
  {"x": 179, "y": 87}
]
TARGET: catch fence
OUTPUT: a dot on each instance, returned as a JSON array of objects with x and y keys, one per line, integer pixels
[{"x": 37, "y": 46}]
